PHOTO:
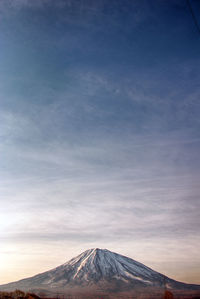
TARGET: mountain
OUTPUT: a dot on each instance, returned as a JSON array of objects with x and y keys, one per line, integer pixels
[{"x": 100, "y": 272}]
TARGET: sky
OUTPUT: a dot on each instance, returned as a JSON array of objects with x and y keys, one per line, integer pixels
[{"x": 99, "y": 133}]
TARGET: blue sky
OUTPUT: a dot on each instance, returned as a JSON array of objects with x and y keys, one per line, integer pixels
[{"x": 99, "y": 135}]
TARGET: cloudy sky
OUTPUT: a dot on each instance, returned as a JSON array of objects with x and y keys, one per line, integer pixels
[{"x": 99, "y": 133}]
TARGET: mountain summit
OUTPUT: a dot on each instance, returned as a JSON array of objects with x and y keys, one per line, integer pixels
[
  {"x": 97, "y": 264},
  {"x": 100, "y": 271}
]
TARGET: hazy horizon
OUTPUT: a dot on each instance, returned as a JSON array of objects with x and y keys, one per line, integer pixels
[{"x": 99, "y": 134}]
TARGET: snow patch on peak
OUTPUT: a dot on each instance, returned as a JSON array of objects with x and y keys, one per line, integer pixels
[
  {"x": 84, "y": 262},
  {"x": 96, "y": 264}
]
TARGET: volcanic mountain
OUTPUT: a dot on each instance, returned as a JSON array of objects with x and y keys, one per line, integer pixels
[{"x": 100, "y": 272}]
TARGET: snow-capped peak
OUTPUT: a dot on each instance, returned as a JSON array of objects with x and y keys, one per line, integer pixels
[
  {"x": 96, "y": 268},
  {"x": 96, "y": 264}
]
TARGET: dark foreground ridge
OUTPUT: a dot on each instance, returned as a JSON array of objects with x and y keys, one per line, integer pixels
[
  {"x": 100, "y": 273},
  {"x": 18, "y": 294}
]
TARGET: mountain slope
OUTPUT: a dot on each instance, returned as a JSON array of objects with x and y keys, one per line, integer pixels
[{"x": 98, "y": 270}]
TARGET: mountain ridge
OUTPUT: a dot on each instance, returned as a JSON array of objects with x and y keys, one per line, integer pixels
[{"x": 99, "y": 270}]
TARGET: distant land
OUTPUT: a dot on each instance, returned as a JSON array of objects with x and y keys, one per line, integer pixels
[{"x": 100, "y": 273}]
